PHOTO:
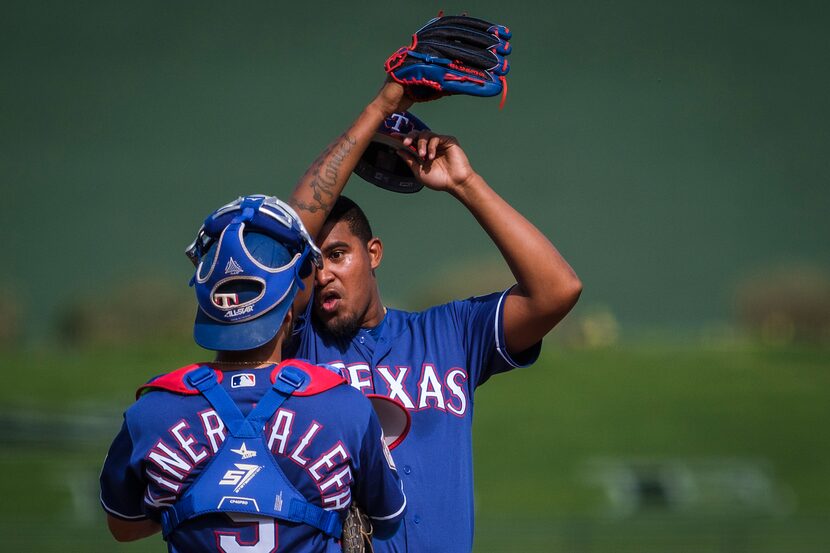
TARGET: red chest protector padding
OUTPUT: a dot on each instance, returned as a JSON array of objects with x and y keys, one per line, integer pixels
[{"x": 321, "y": 379}]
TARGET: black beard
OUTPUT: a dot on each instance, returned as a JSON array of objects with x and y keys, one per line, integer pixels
[{"x": 343, "y": 328}]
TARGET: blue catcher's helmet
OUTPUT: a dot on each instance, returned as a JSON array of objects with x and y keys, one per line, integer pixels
[{"x": 250, "y": 256}]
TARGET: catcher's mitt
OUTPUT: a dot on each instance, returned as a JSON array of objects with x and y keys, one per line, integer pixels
[
  {"x": 357, "y": 532},
  {"x": 453, "y": 55}
]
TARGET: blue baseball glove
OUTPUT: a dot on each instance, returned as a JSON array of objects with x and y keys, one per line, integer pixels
[{"x": 453, "y": 55}]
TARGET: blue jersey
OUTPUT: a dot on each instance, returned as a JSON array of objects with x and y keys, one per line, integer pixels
[
  {"x": 431, "y": 362},
  {"x": 328, "y": 444}
]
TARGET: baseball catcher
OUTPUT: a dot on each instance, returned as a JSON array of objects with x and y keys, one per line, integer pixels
[{"x": 248, "y": 452}]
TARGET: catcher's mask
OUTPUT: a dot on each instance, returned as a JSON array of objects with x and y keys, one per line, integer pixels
[
  {"x": 381, "y": 165},
  {"x": 250, "y": 256}
]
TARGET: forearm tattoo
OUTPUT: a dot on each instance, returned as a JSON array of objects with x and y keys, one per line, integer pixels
[{"x": 324, "y": 173}]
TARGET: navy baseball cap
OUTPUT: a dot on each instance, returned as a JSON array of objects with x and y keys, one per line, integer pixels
[
  {"x": 380, "y": 164},
  {"x": 248, "y": 273}
]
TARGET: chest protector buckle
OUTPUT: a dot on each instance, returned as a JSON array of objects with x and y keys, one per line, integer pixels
[{"x": 243, "y": 476}]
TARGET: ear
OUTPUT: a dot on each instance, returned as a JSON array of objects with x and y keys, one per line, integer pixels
[
  {"x": 375, "y": 249},
  {"x": 287, "y": 325}
]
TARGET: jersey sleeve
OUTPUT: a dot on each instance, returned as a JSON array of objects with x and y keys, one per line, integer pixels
[
  {"x": 122, "y": 490},
  {"x": 482, "y": 320},
  {"x": 379, "y": 491}
]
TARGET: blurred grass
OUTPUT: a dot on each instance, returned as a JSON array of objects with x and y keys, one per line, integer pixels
[
  {"x": 535, "y": 432},
  {"x": 651, "y": 402}
]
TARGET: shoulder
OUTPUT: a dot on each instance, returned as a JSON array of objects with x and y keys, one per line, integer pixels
[
  {"x": 173, "y": 381},
  {"x": 342, "y": 397},
  {"x": 341, "y": 413},
  {"x": 401, "y": 317},
  {"x": 455, "y": 310},
  {"x": 329, "y": 384},
  {"x": 153, "y": 412},
  {"x": 466, "y": 303}
]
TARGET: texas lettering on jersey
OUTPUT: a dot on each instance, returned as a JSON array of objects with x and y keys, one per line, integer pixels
[
  {"x": 171, "y": 460},
  {"x": 431, "y": 362},
  {"x": 415, "y": 390}
]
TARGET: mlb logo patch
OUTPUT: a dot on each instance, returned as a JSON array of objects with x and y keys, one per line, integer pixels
[{"x": 244, "y": 380}]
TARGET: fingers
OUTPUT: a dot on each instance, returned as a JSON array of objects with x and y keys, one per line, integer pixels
[
  {"x": 418, "y": 166},
  {"x": 427, "y": 144},
  {"x": 408, "y": 149},
  {"x": 432, "y": 147},
  {"x": 409, "y": 159}
]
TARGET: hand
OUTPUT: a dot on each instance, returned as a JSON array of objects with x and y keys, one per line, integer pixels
[
  {"x": 437, "y": 161},
  {"x": 392, "y": 98}
]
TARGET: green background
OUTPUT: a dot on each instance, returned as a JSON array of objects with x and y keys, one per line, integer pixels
[
  {"x": 670, "y": 150},
  {"x": 667, "y": 148}
]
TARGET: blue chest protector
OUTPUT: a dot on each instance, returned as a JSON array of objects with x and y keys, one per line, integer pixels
[{"x": 243, "y": 476}]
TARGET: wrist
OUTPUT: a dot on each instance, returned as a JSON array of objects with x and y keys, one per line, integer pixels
[
  {"x": 378, "y": 110},
  {"x": 391, "y": 98},
  {"x": 467, "y": 187}
]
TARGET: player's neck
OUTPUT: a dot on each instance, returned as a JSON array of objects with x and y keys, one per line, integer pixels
[
  {"x": 266, "y": 354},
  {"x": 374, "y": 313}
]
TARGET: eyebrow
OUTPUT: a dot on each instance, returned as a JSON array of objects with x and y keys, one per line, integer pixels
[{"x": 335, "y": 245}]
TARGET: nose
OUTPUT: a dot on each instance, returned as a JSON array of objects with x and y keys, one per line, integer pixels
[{"x": 323, "y": 276}]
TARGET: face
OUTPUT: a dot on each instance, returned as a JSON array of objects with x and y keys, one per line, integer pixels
[{"x": 345, "y": 292}]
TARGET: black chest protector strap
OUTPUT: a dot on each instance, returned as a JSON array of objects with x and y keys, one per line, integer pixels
[{"x": 243, "y": 476}]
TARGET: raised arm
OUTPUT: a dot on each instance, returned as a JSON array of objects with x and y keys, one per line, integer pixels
[
  {"x": 321, "y": 185},
  {"x": 546, "y": 286}
]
